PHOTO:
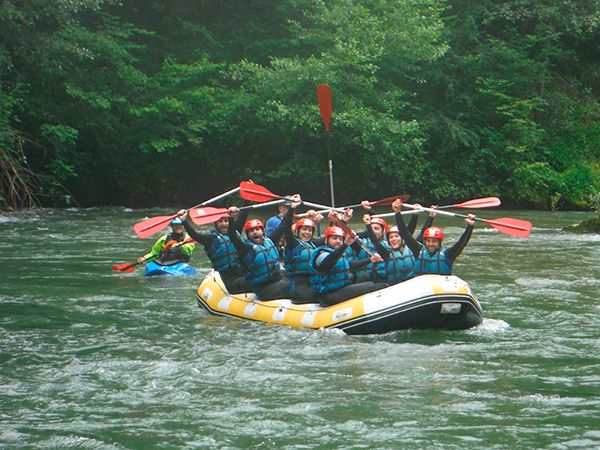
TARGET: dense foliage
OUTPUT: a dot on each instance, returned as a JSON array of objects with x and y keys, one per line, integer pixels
[{"x": 144, "y": 102}]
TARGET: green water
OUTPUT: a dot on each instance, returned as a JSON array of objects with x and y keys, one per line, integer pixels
[{"x": 91, "y": 358}]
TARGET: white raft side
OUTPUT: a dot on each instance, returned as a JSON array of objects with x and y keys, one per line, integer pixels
[
  {"x": 214, "y": 295},
  {"x": 415, "y": 289}
]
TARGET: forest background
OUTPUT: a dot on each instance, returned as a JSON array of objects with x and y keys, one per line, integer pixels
[{"x": 148, "y": 103}]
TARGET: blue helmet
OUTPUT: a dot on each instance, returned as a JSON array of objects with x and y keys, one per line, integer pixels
[{"x": 176, "y": 221}]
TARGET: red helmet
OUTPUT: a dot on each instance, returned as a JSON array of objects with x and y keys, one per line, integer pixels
[
  {"x": 334, "y": 231},
  {"x": 305, "y": 223},
  {"x": 391, "y": 230},
  {"x": 253, "y": 223},
  {"x": 433, "y": 232},
  {"x": 379, "y": 221}
]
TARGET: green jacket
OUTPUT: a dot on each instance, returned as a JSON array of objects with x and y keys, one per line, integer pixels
[{"x": 157, "y": 248}]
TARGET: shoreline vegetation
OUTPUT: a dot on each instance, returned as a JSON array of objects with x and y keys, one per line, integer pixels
[
  {"x": 587, "y": 226},
  {"x": 142, "y": 103}
]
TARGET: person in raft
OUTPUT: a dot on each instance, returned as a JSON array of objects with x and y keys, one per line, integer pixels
[
  {"x": 331, "y": 269},
  {"x": 259, "y": 258},
  {"x": 399, "y": 260},
  {"x": 431, "y": 257},
  {"x": 221, "y": 252},
  {"x": 299, "y": 245},
  {"x": 273, "y": 223},
  {"x": 169, "y": 248}
]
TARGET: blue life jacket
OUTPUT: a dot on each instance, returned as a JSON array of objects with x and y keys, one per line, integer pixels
[
  {"x": 297, "y": 259},
  {"x": 435, "y": 264},
  {"x": 374, "y": 271},
  {"x": 332, "y": 280},
  {"x": 222, "y": 253},
  {"x": 262, "y": 264},
  {"x": 400, "y": 264}
]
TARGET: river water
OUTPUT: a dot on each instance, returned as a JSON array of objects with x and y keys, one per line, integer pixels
[{"x": 91, "y": 358}]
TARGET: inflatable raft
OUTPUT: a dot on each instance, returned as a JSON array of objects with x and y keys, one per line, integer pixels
[
  {"x": 428, "y": 301},
  {"x": 178, "y": 269}
]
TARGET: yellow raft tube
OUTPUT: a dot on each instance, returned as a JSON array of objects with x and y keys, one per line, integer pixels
[{"x": 427, "y": 301}]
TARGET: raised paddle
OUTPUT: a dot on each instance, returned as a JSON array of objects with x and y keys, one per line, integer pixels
[
  {"x": 325, "y": 100},
  {"x": 476, "y": 203},
  {"x": 383, "y": 201},
  {"x": 202, "y": 216},
  {"x": 487, "y": 202},
  {"x": 147, "y": 227},
  {"x": 257, "y": 193},
  {"x": 512, "y": 227}
]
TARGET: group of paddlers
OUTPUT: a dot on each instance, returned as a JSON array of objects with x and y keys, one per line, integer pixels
[{"x": 286, "y": 260}]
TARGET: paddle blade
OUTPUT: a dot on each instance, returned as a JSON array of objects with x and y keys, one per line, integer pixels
[
  {"x": 206, "y": 215},
  {"x": 487, "y": 202},
  {"x": 512, "y": 227},
  {"x": 148, "y": 227},
  {"x": 390, "y": 200},
  {"x": 325, "y": 103},
  {"x": 256, "y": 193},
  {"x": 124, "y": 267}
]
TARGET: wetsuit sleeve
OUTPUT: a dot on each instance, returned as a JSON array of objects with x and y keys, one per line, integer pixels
[
  {"x": 409, "y": 240},
  {"x": 427, "y": 224},
  {"x": 412, "y": 225},
  {"x": 363, "y": 234},
  {"x": 453, "y": 252},
  {"x": 286, "y": 224},
  {"x": 356, "y": 247},
  {"x": 240, "y": 220},
  {"x": 203, "y": 238},
  {"x": 359, "y": 264},
  {"x": 240, "y": 247},
  {"x": 329, "y": 261},
  {"x": 318, "y": 241},
  {"x": 383, "y": 252}
]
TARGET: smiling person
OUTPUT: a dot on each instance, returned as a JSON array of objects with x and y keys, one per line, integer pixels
[
  {"x": 221, "y": 252},
  {"x": 259, "y": 259},
  {"x": 168, "y": 249},
  {"x": 432, "y": 257},
  {"x": 331, "y": 270},
  {"x": 299, "y": 245}
]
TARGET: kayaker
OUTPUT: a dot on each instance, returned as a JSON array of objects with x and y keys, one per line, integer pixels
[
  {"x": 259, "y": 258},
  {"x": 221, "y": 252},
  {"x": 298, "y": 250},
  {"x": 168, "y": 249},
  {"x": 431, "y": 257},
  {"x": 331, "y": 269}
]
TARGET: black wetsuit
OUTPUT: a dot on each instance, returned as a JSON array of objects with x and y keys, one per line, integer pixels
[
  {"x": 277, "y": 288},
  {"x": 416, "y": 247},
  {"x": 233, "y": 278},
  {"x": 350, "y": 290}
]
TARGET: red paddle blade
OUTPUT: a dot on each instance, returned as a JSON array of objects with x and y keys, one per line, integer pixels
[
  {"x": 390, "y": 200},
  {"x": 487, "y": 202},
  {"x": 256, "y": 193},
  {"x": 325, "y": 103},
  {"x": 124, "y": 267},
  {"x": 153, "y": 225},
  {"x": 512, "y": 227},
  {"x": 203, "y": 216}
]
